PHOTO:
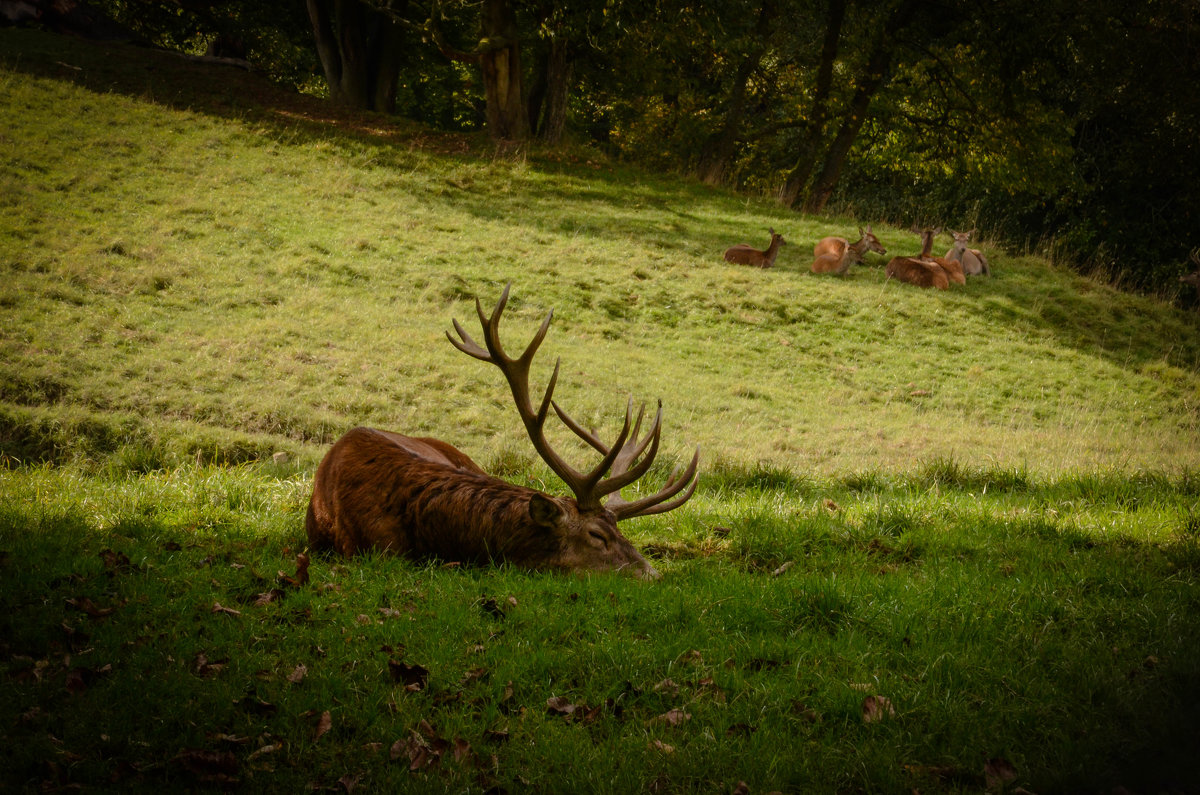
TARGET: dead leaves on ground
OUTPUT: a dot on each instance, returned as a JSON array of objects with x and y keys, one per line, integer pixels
[{"x": 424, "y": 748}]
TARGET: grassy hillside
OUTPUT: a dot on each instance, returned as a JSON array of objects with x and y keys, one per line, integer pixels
[
  {"x": 182, "y": 275},
  {"x": 980, "y": 506}
]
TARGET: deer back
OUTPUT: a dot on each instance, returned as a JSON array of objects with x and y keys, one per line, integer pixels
[
  {"x": 744, "y": 254},
  {"x": 831, "y": 254},
  {"x": 918, "y": 272}
]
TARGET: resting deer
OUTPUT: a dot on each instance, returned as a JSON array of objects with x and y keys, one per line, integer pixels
[
  {"x": 972, "y": 259},
  {"x": 923, "y": 270},
  {"x": 747, "y": 255},
  {"x": 422, "y": 497},
  {"x": 836, "y": 254}
]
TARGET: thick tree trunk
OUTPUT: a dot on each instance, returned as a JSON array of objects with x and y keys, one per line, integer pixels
[
  {"x": 815, "y": 128},
  {"x": 856, "y": 113},
  {"x": 551, "y": 112},
  {"x": 720, "y": 147},
  {"x": 500, "y": 62},
  {"x": 360, "y": 53}
]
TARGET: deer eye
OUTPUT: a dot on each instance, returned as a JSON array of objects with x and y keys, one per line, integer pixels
[{"x": 598, "y": 538}]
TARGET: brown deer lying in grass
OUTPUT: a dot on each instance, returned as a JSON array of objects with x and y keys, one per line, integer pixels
[
  {"x": 424, "y": 498},
  {"x": 836, "y": 254},
  {"x": 972, "y": 259},
  {"x": 747, "y": 255},
  {"x": 926, "y": 270}
]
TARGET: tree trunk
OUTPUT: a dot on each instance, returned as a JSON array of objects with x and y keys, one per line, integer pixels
[
  {"x": 500, "y": 62},
  {"x": 719, "y": 149},
  {"x": 359, "y": 50},
  {"x": 813, "y": 131},
  {"x": 856, "y": 113},
  {"x": 552, "y": 110}
]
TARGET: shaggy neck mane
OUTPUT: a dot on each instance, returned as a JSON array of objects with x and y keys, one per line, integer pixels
[{"x": 466, "y": 516}]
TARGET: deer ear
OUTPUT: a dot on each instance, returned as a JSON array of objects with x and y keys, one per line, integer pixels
[{"x": 545, "y": 512}]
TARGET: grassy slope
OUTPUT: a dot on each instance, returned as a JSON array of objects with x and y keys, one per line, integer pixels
[
  {"x": 189, "y": 273},
  {"x": 246, "y": 271}
]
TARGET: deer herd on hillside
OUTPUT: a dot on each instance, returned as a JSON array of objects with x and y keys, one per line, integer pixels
[{"x": 836, "y": 255}]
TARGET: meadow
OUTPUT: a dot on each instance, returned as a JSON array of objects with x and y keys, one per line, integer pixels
[{"x": 943, "y": 541}]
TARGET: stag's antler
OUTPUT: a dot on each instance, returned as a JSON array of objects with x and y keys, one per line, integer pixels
[{"x": 591, "y": 487}]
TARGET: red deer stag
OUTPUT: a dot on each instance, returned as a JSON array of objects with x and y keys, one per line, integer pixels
[
  {"x": 424, "y": 498},
  {"x": 972, "y": 259},
  {"x": 836, "y": 254},
  {"x": 921, "y": 270},
  {"x": 747, "y": 255}
]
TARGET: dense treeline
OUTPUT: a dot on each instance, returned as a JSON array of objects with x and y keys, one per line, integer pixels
[{"x": 1032, "y": 120}]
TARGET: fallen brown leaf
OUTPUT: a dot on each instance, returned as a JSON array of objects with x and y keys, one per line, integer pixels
[
  {"x": 266, "y": 597},
  {"x": 115, "y": 561},
  {"x": 88, "y": 606},
  {"x": 462, "y": 749},
  {"x": 205, "y": 669},
  {"x": 323, "y": 725},
  {"x": 263, "y": 751},
  {"x": 209, "y": 767},
  {"x": 997, "y": 772},
  {"x": 297, "y": 676},
  {"x": 662, "y": 747},
  {"x": 218, "y": 608},
  {"x": 672, "y": 717},
  {"x": 413, "y": 677},
  {"x": 560, "y": 705},
  {"x": 301, "y": 577},
  {"x": 667, "y": 685},
  {"x": 876, "y": 708}
]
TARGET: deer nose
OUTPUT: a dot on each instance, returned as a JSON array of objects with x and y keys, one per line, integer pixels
[{"x": 650, "y": 573}]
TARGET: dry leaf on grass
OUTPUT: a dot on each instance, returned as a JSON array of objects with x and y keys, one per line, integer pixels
[
  {"x": 301, "y": 577},
  {"x": 560, "y": 705},
  {"x": 324, "y": 724},
  {"x": 672, "y": 717},
  {"x": 876, "y": 708},
  {"x": 297, "y": 676},
  {"x": 205, "y": 669},
  {"x": 413, "y": 677},
  {"x": 998, "y": 772}
]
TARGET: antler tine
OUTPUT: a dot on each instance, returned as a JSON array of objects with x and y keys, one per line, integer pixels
[
  {"x": 591, "y": 487},
  {"x": 468, "y": 345},
  {"x": 626, "y": 453},
  {"x": 593, "y": 483},
  {"x": 661, "y": 501},
  {"x": 516, "y": 373}
]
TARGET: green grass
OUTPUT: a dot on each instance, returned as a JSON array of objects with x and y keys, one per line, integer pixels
[
  {"x": 981, "y": 504},
  {"x": 1048, "y": 623}
]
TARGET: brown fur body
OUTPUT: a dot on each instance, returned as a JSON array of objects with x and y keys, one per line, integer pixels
[
  {"x": 423, "y": 498},
  {"x": 974, "y": 263},
  {"x": 922, "y": 273},
  {"x": 837, "y": 254},
  {"x": 952, "y": 267},
  {"x": 744, "y": 254}
]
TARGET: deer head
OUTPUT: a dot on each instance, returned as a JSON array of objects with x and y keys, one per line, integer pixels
[
  {"x": 869, "y": 241},
  {"x": 622, "y": 463}
]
